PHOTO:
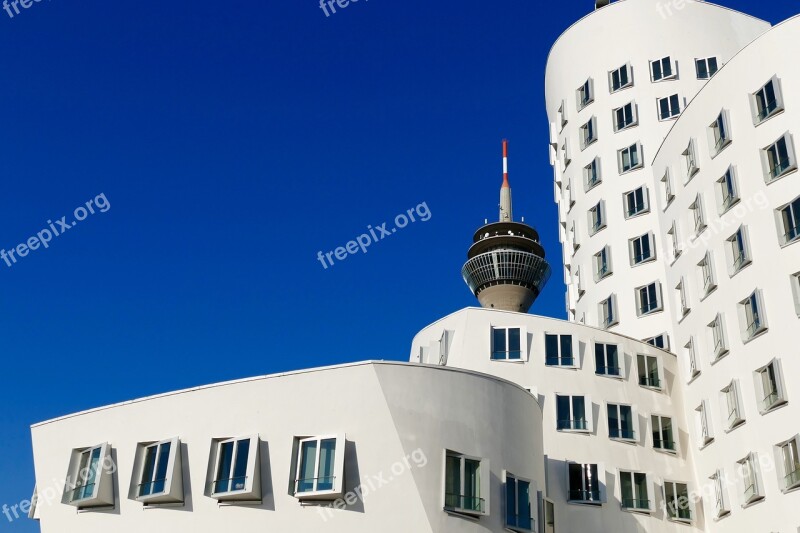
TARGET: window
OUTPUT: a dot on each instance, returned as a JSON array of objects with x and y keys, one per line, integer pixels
[
  {"x": 663, "y": 69},
  {"x": 676, "y": 243},
  {"x": 625, "y": 116},
  {"x": 707, "y": 278},
  {"x": 591, "y": 174},
  {"x": 719, "y": 347},
  {"x": 749, "y": 474},
  {"x": 697, "y": 214},
  {"x": 767, "y": 101},
  {"x": 588, "y": 133},
  {"x": 680, "y": 289},
  {"x": 794, "y": 279},
  {"x": 719, "y": 133},
  {"x": 320, "y": 467},
  {"x": 621, "y": 78},
  {"x": 704, "y": 424},
  {"x": 679, "y": 506},
  {"x": 579, "y": 281},
  {"x": 728, "y": 190},
  {"x": 571, "y": 413},
  {"x": 754, "y": 319},
  {"x": 585, "y": 94},
  {"x": 160, "y": 480},
  {"x": 706, "y": 67},
  {"x": 642, "y": 248},
  {"x": 597, "y": 219},
  {"x": 663, "y": 436},
  {"x": 636, "y": 202},
  {"x": 630, "y": 158},
  {"x": 769, "y": 384},
  {"x": 573, "y": 233},
  {"x": 739, "y": 250},
  {"x": 649, "y": 373},
  {"x": 608, "y": 312},
  {"x": 690, "y": 160},
  {"x": 445, "y": 341},
  {"x": 721, "y": 504},
  {"x": 558, "y": 350},
  {"x": 659, "y": 341},
  {"x": 790, "y": 221},
  {"x": 790, "y": 464},
  {"x": 666, "y": 181},
  {"x": 565, "y": 155},
  {"x": 463, "y": 484},
  {"x": 669, "y": 107},
  {"x": 648, "y": 299},
  {"x": 518, "y": 504},
  {"x": 602, "y": 263},
  {"x": 606, "y": 360},
  {"x": 694, "y": 368},
  {"x": 562, "y": 114},
  {"x": 549, "y": 517},
  {"x": 620, "y": 422},
  {"x": 779, "y": 158},
  {"x": 583, "y": 483},
  {"x": 732, "y": 405},
  {"x": 506, "y": 344},
  {"x": 634, "y": 489},
  {"x": 236, "y": 471},
  {"x": 90, "y": 481}
]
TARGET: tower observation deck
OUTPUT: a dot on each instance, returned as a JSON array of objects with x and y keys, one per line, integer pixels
[{"x": 506, "y": 267}]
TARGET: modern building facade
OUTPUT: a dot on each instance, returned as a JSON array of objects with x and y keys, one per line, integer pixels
[{"x": 667, "y": 402}]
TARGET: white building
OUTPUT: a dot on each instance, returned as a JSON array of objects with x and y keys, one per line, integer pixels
[{"x": 669, "y": 401}]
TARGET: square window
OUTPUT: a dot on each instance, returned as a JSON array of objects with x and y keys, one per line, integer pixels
[
  {"x": 565, "y": 155},
  {"x": 506, "y": 344},
  {"x": 728, "y": 192},
  {"x": 608, "y": 312},
  {"x": 751, "y": 311},
  {"x": 679, "y": 505},
  {"x": 706, "y": 68},
  {"x": 625, "y": 116},
  {"x": 621, "y": 78},
  {"x": 588, "y": 133},
  {"x": 630, "y": 158},
  {"x": 584, "y": 484},
  {"x": 659, "y": 341},
  {"x": 586, "y": 94},
  {"x": 160, "y": 478},
  {"x": 572, "y": 413},
  {"x": 648, "y": 299},
  {"x": 663, "y": 434},
  {"x": 237, "y": 474},
  {"x": 649, "y": 371},
  {"x": 635, "y": 491},
  {"x": 663, "y": 69},
  {"x": 464, "y": 488},
  {"x": 789, "y": 216},
  {"x": 794, "y": 279},
  {"x": 769, "y": 385},
  {"x": 767, "y": 101},
  {"x": 602, "y": 263},
  {"x": 642, "y": 249},
  {"x": 558, "y": 350},
  {"x": 518, "y": 504},
  {"x": 591, "y": 174},
  {"x": 90, "y": 481},
  {"x": 606, "y": 357},
  {"x": 676, "y": 241},
  {"x": 562, "y": 114},
  {"x": 779, "y": 158},
  {"x": 789, "y": 461},
  {"x": 669, "y": 107},
  {"x": 750, "y": 475},
  {"x": 597, "y": 219},
  {"x": 621, "y": 422},
  {"x": 636, "y": 202},
  {"x": 719, "y": 133},
  {"x": 738, "y": 250},
  {"x": 319, "y": 470}
]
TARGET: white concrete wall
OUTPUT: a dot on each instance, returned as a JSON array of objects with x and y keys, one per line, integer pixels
[
  {"x": 471, "y": 349},
  {"x": 387, "y": 410}
]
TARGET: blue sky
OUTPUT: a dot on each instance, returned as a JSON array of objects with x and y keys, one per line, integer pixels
[{"x": 233, "y": 141}]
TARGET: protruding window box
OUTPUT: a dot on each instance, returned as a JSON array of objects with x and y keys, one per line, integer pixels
[
  {"x": 319, "y": 467},
  {"x": 237, "y": 472},
  {"x": 90, "y": 482},
  {"x": 160, "y": 479}
]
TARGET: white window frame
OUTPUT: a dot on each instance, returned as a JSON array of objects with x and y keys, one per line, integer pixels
[
  {"x": 251, "y": 488},
  {"x": 630, "y": 198},
  {"x": 732, "y": 406},
  {"x": 566, "y": 159},
  {"x": 604, "y": 370},
  {"x": 657, "y": 422},
  {"x": 575, "y": 424},
  {"x": 721, "y": 502},
  {"x": 609, "y": 315},
  {"x": 698, "y": 215},
  {"x": 592, "y": 175},
  {"x": 676, "y": 243},
  {"x": 788, "y": 219},
  {"x": 769, "y": 400},
  {"x": 762, "y": 106},
  {"x": 738, "y": 251},
  {"x": 794, "y": 279},
  {"x": 693, "y": 369},
  {"x": 776, "y": 166},
  {"x": 483, "y": 488},
  {"x": 753, "y": 316},
  {"x": 717, "y": 338},
  {"x": 728, "y": 189},
  {"x": 706, "y": 62},
  {"x": 585, "y": 94},
  {"x": 689, "y": 158},
  {"x": 533, "y": 507},
  {"x": 674, "y": 106},
  {"x": 602, "y": 270},
  {"x": 597, "y": 217},
  {"x": 634, "y": 151},
  {"x": 667, "y": 61},
  {"x": 679, "y": 503},
  {"x": 683, "y": 299},
  {"x": 172, "y": 483},
  {"x": 523, "y": 348},
  {"x": 705, "y": 430},
  {"x": 562, "y": 114},
  {"x": 645, "y": 365},
  {"x": 652, "y": 341},
  {"x": 574, "y": 238},
  {"x": 337, "y": 486},
  {"x": 750, "y": 474},
  {"x": 588, "y": 133},
  {"x": 625, "y": 117},
  {"x": 643, "y": 292},
  {"x": 669, "y": 194},
  {"x": 633, "y": 434},
  {"x": 81, "y": 476},
  {"x": 636, "y": 502},
  {"x": 560, "y": 356},
  {"x": 720, "y": 133},
  {"x": 623, "y": 84},
  {"x": 708, "y": 278},
  {"x": 594, "y": 499},
  {"x": 786, "y": 453},
  {"x": 641, "y": 259}
]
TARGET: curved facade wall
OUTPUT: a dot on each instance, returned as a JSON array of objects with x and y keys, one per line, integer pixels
[
  {"x": 633, "y": 33},
  {"x": 465, "y": 340},
  {"x": 395, "y": 421},
  {"x": 769, "y": 270}
]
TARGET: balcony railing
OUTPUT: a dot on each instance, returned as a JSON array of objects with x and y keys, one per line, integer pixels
[
  {"x": 559, "y": 361},
  {"x": 650, "y": 380},
  {"x": 770, "y": 108},
  {"x": 608, "y": 371},
  {"x": 664, "y": 445},
  {"x": 310, "y": 484},
  {"x": 579, "y": 424},
  {"x": 152, "y": 487},
  {"x": 463, "y": 503},
  {"x": 733, "y": 416},
  {"x": 728, "y": 201},
  {"x": 793, "y": 478},
  {"x": 232, "y": 484},
  {"x": 635, "y": 503},
  {"x": 721, "y": 142},
  {"x": 792, "y": 233},
  {"x": 750, "y": 492},
  {"x": 622, "y": 433},
  {"x": 677, "y": 512},
  {"x": 779, "y": 168},
  {"x": 83, "y": 492},
  {"x": 584, "y": 495},
  {"x": 770, "y": 400},
  {"x": 520, "y": 521},
  {"x": 754, "y": 327}
]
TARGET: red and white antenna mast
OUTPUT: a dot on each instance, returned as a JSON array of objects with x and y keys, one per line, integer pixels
[{"x": 506, "y": 214}]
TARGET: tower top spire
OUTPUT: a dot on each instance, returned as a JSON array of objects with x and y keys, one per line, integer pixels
[{"x": 506, "y": 213}]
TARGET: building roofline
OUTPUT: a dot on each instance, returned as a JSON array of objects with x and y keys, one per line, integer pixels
[{"x": 275, "y": 376}]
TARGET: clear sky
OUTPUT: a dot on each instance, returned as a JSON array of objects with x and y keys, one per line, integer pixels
[{"x": 223, "y": 145}]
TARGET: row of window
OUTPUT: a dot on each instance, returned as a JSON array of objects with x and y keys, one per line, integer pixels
[{"x": 234, "y": 464}]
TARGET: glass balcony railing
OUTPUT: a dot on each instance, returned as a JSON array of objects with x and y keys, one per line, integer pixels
[
  {"x": 622, "y": 433},
  {"x": 608, "y": 371},
  {"x": 463, "y": 503},
  {"x": 559, "y": 361},
  {"x": 721, "y": 142},
  {"x": 733, "y": 416},
  {"x": 779, "y": 168},
  {"x": 84, "y": 492},
  {"x": 767, "y": 110},
  {"x": 634, "y": 503},
  {"x": 792, "y": 233},
  {"x": 579, "y": 424},
  {"x": 664, "y": 445},
  {"x": 233, "y": 484},
  {"x": 312, "y": 484},
  {"x": 793, "y": 479},
  {"x": 679, "y": 512},
  {"x": 584, "y": 495},
  {"x": 150, "y": 488},
  {"x": 650, "y": 380},
  {"x": 750, "y": 492},
  {"x": 754, "y": 327},
  {"x": 770, "y": 400}
]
